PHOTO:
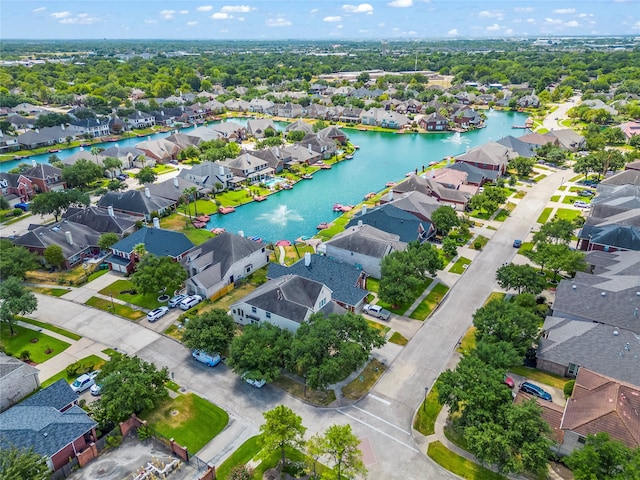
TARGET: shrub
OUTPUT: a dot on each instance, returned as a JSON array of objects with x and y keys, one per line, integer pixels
[
  {"x": 568, "y": 388},
  {"x": 144, "y": 432},
  {"x": 78, "y": 368},
  {"x": 25, "y": 355},
  {"x": 240, "y": 472},
  {"x": 17, "y": 212},
  {"x": 477, "y": 245},
  {"x": 113, "y": 440}
]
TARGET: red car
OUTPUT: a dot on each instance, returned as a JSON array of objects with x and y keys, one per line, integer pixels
[{"x": 508, "y": 381}]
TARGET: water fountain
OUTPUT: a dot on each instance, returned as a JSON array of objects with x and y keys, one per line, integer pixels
[
  {"x": 281, "y": 216},
  {"x": 457, "y": 139}
]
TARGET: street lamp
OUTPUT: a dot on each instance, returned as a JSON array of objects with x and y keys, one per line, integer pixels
[
  {"x": 424, "y": 405},
  {"x": 113, "y": 308}
]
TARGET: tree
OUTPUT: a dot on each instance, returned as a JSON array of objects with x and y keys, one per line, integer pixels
[
  {"x": 259, "y": 353},
  {"x": 295, "y": 136},
  {"x": 445, "y": 218},
  {"x": 562, "y": 258},
  {"x": 521, "y": 278},
  {"x": 240, "y": 472},
  {"x": 326, "y": 349},
  {"x": 146, "y": 175},
  {"x": 314, "y": 450},
  {"x": 81, "y": 173},
  {"x": 282, "y": 428},
  {"x": 522, "y": 165},
  {"x": 56, "y": 201},
  {"x": 22, "y": 464},
  {"x": 16, "y": 300},
  {"x": 107, "y": 240},
  {"x": 158, "y": 274},
  {"x": 15, "y": 260},
  {"x": 559, "y": 230},
  {"x": 341, "y": 444},
  {"x": 319, "y": 125},
  {"x": 450, "y": 246},
  {"x": 130, "y": 385},
  {"x": 111, "y": 164},
  {"x": 483, "y": 203},
  {"x": 211, "y": 331},
  {"x": 53, "y": 256},
  {"x": 191, "y": 194},
  {"x": 602, "y": 458}
]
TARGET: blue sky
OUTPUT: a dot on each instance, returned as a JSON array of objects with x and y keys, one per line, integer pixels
[{"x": 314, "y": 19}]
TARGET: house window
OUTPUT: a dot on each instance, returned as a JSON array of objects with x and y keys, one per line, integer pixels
[
  {"x": 248, "y": 268},
  {"x": 323, "y": 302},
  {"x": 572, "y": 370},
  {"x": 582, "y": 440},
  {"x": 254, "y": 310},
  {"x": 268, "y": 314}
]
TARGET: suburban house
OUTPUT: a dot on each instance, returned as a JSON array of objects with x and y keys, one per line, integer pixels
[
  {"x": 568, "y": 139},
  {"x": 299, "y": 125},
  {"x": 467, "y": 117},
  {"x": 273, "y": 156},
  {"x": 334, "y": 133},
  {"x": 490, "y": 156},
  {"x": 17, "y": 380},
  {"x": 393, "y": 220},
  {"x": 434, "y": 122},
  {"x": 16, "y": 188},
  {"x": 8, "y": 142},
  {"x": 136, "y": 202},
  {"x": 230, "y": 131},
  {"x": 258, "y": 126},
  {"x": 363, "y": 247},
  {"x": 630, "y": 129},
  {"x": 247, "y": 167},
  {"x": 296, "y": 153},
  {"x": 210, "y": 176},
  {"x": 139, "y": 120},
  {"x": 89, "y": 127},
  {"x": 44, "y": 137},
  {"x": 184, "y": 140},
  {"x": 324, "y": 146},
  {"x": 157, "y": 241},
  {"x": 50, "y": 422},
  {"x": 172, "y": 189},
  {"x": 346, "y": 282},
  {"x": 523, "y": 149},
  {"x": 290, "y": 110},
  {"x": 160, "y": 150},
  {"x": 427, "y": 186},
  {"x": 130, "y": 157},
  {"x": 45, "y": 178},
  {"x": 475, "y": 176},
  {"x": 221, "y": 261},
  {"x": 625, "y": 177},
  {"x": 103, "y": 220},
  {"x": 415, "y": 202},
  {"x": 285, "y": 302}
]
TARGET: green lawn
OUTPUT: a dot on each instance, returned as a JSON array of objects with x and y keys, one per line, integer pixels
[
  {"x": 468, "y": 341},
  {"x": 526, "y": 247},
  {"x": 459, "y": 465},
  {"x": 233, "y": 198},
  {"x": 430, "y": 302},
  {"x": 479, "y": 242},
  {"x": 148, "y": 301},
  {"x": 495, "y": 296},
  {"x": 425, "y": 421},
  {"x": 576, "y": 178},
  {"x": 459, "y": 266},
  {"x": 544, "y": 216},
  {"x": 555, "y": 198},
  {"x": 241, "y": 456},
  {"x": 569, "y": 199},
  {"x": 360, "y": 385},
  {"x": 373, "y": 284},
  {"x": 403, "y": 307},
  {"x": 51, "y": 291},
  {"x": 336, "y": 227},
  {"x": 539, "y": 376},
  {"x": 520, "y": 194},
  {"x": 93, "y": 362},
  {"x": 53, "y": 328},
  {"x": 115, "y": 308},
  {"x": 36, "y": 343},
  {"x": 539, "y": 177},
  {"x": 567, "y": 213},
  {"x": 398, "y": 339},
  {"x": 189, "y": 419}
]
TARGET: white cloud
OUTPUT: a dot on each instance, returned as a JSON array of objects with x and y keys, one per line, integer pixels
[
  {"x": 183, "y": 12},
  {"x": 241, "y": 19},
  {"x": 150, "y": 22},
  {"x": 236, "y": 9},
  {"x": 553, "y": 21},
  {"x": 278, "y": 22},
  {"x": 453, "y": 31},
  {"x": 60, "y": 14},
  {"x": 636, "y": 26},
  {"x": 381, "y": 24},
  {"x": 39, "y": 10},
  {"x": 493, "y": 28},
  {"x": 332, "y": 19},
  {"x": 81, "y": 19},
  {"x": 401, "y": 3},
  {"x": 339, "y": 26},
  {"x": 362, "y": 8},
  {"x": 523, "y": 9},
  {"x": 564, "y": 11},
  {"x": 167, "y": 14},
  {"x": 572, "y": 24},
  {"x": 532, "y": 21},
  {"x": 314, "y": 10},
  {"x": 221, "y": 16},
  {"x": 508, "y": 31},
  {"x": 205, "y": 8},
  {"x": 586, "y": 15},
  {"x": 192, "y": 23},
  {"x": 517, "y": 20},
  {"x": 491, "y": 14}
]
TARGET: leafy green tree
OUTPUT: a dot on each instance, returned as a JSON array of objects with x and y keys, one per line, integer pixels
[
  {"x": 483, "y": 203},
  {"x": 116, "y": 185},
  {"x": 16, "y": 300},
  {"x": 319, "y": 125},
  {"x": 107, "y": 240},
  {"x": 500, "y": 355},
  {"x": 444, "y": 219},
  {"x": 53, "y": 256},
  {"x": 22, "y": 464},
  {"x": 158, "y": 274},
  {"x": 57, "y": 201},
  {"x": 562, "y": 258},
  {"x": 190, "y": 194},
  {"x": 450, "y": 246},
  {"x": 314, "y": 450},
  {"x": 146, "y": 175},
  {"x": 522, "y": 165},
  {"x": 259, "y": 353},
  {"x": 130, "y": 385},
  {"x": 4, "y": 203},
  {"x": 602, "y": 458},
  {"x": 326, "y": 349},
  {"x": 295, "y": 136},
  {"x": 282, "y": 428},
  {"x": 342, "y": 445},
  {"x": 559, "y": 230},
  {"x": 521, "y": 278},
  {"x": 81, "y": 173},
  {"x": 211, "y": 331},
  {"x": 15, "y": 260},
  {"x": 111, "y": 164}
]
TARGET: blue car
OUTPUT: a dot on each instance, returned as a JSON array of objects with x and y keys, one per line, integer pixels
[
  {"x": 517, "y": 243},
  {"x": 535, "y": 391}
]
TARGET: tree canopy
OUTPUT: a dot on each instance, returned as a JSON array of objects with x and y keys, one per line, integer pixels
[
  {"x": 55, "y": 202},
  {"x": 16, "y": 300},
  {"x": 342, "y": 445},
  {"x": 521, "y": 278},
  {"x": 81, "y": 173},
  {"x": 22, "y": 464},
  {"x": 210, "y": 331},
  {"x": 445, "y": 218},
  {"x": 15, "y": 260},
  {"x": 282, "y": 428},
  {"x": 146, "y": 175},
  {"x": 158, "y": 274}
]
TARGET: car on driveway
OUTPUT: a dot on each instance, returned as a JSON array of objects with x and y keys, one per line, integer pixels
[
  {"x": 535, "y": 390},
  {"x": 96, "y": 389},
  {"x": 580, "y": 204},
  {"x": 176, "y": 299},
  {"x": 587, "y": 193},
  {"x": 508, "y": 381},
  {"x": 256, "y": 383},
  {"x": 210, "y": 360},
  {"x": 377, "y": 311},
  {"x": 157, "y": 314},
  {"x": 517, "y": 243},
  {"x": 122, "y": 176},
  {"x": 84, "y": 382},
  {"x": 190, "y": 302}
]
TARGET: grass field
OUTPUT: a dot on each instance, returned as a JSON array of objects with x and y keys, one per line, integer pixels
[
  {"x": 468, "y": 341},
  {"x": 95, "y": 361},
  {"x": 540, "y": 376},
  {"x": 567, "y": 213},
  {"x": 425, "y": 421},
  {"x": 53, "y": 328},
  {"x": 51, "y": 291},
  {"x": 398, "y": 339},
  {"x": 539, "y": 177},
  {"x": 520, "y": 194},
  {"x": 148, "y": 301},
  {"x": 359, "y": 386},
  {"x": 115, "y": 308},
  {"x": 544, "y": 216},
  {"x": 430, "y": 302},
  {"x": 479, "y": 242},
  {"x": 460, "y": 266},
  {"x": 555, "y": 198},
  {"x": 459, "y": 465},
  {"x": 32, "y": 341},
  {"x": 189, "y": 419}
]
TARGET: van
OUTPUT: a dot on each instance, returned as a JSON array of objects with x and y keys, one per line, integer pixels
[
  {"x": 190, "y": 302},
  {"x": 207, "y": 359}
]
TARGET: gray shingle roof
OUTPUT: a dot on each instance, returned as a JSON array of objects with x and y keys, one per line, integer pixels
[
  {"x": 99, "y": 219},
  {"x": 157, "y": 241},
  {"x": 339, "y": 277},
  {"x": 367, "y": 240},
  {"x": 134, "y": 201},
  {"x": 57, "y": 395},
  {"x": 391, "y": 219}
]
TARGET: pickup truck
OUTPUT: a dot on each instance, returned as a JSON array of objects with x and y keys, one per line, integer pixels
[{"x": 377, "y": 311}]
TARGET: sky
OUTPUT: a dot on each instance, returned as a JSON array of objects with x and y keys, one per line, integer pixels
[{"x": 314, "y": 19}]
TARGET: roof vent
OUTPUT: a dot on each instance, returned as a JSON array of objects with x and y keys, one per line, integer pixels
[
  {"x": 45, "y": 434},
  {"x": 574, "y": 287},
  {"x": 603, "y": 294},
  {"x": 616, "y": 333}
]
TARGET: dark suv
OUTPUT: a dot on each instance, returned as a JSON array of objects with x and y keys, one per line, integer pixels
[{"x": 535, "y": 390}]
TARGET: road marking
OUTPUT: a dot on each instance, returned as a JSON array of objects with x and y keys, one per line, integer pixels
[
  {"x": 380, "y": 431},
  {"x": 382, "y": 420},
  {"x": 380, "y": 399}
]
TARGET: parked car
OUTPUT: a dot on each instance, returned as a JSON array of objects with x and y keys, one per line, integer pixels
[
  {"x": 84, "y": 382},
  {"x": 535, "y": 391},
  {"x": 22, "y": 206},
  {"x": 580, "y": 204},
  {"x": 176, "y": 299},
  {"x": 96, "y": 389},
  {"x": 508, "y": 381},
  {"x": 256, "y": 383},
  {"x": 206, "y": 358},
  {"x": 190, "y": 302},
  {"x": 586, "y": 193},
  {"x": 122, "y": 176},
  {"x": 157, "y": 314},
  {"x": 517, "y": 243},
  {"x": 377, "y": 311}
]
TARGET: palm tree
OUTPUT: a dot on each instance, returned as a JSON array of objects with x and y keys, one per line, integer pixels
[{"x": 189, "y": 194}]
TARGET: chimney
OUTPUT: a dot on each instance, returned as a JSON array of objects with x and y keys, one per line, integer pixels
[
  {"x": 364, "y": 210},
  {"x": 110, "y": 210},
  {"x": 307, "y": 259},
  {"x": 221, "y": 170},
  {"x": 241, "y": 233},
  {"x": 62, "y": 127},
  {"x": 176, "y": 182},
  {"x": 390, "y": 196},
  {"x": 34, "y": 163},
  {"x": 147, "y": 192},
  {"x": 309, "y": 147},
  {"x": 69, "y": 238},
  {"x": 359, "y": 223},
  {"x": 156, "y": 222}
]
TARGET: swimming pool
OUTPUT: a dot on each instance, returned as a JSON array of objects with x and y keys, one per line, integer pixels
[{"x": 273, "y": 181}]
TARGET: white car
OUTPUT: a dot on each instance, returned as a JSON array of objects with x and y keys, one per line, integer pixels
[
  {"x": 256, "y": 383},
  {"x": 84, "y": 382},
  {"x": 175, "y": 300},
  {"x": 580, "y": 204},
  {"x": 157, "y": 314},
  {"x": 377, "y": 311},
  {"x": 190, "y": 302},
  {"x": 96, "y": 389},
  {"x": 207, "y": 359}
]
